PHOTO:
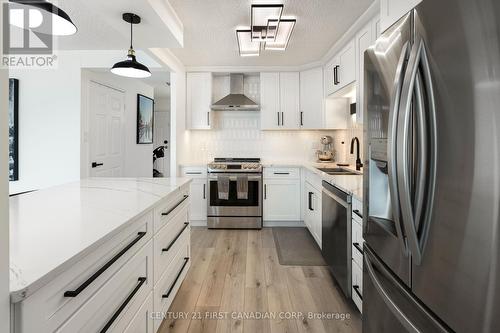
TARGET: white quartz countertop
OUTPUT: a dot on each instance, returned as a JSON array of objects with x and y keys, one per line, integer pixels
[{"x": 52, "y": 228}]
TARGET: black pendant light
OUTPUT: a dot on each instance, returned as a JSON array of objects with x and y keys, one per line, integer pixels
[
  {"x": 61, "y": 22},
  {"x": 131, "y": 67}
]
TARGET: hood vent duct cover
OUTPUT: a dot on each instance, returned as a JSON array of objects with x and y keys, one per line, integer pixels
[{"x": 236, "y": 100}]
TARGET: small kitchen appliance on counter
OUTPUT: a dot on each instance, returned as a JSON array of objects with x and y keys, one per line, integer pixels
[
  {"x": 234, "y": 193},
  {"x": 326, "y": 154}
]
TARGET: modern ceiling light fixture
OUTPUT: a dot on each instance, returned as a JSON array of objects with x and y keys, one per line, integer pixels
[
  {"x": 283, "y": 36},
  {"x": 268, "y": 29},
  {"x": 264, "y": 20},
  {"x": 131, "y": 67},
  {"x": 247, "y": 46},
  {"x": 61, "y": 24}
]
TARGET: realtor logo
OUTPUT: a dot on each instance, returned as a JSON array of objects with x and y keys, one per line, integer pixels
[{"x": 25, "y": 29}]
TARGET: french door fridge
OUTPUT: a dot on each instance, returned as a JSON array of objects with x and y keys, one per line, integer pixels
[{"x": 432, "y": 186}]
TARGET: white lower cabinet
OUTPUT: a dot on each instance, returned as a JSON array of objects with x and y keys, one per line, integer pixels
[
  {"x": 198, "y": 192},
  {"x": 357, "y": 254},
  {"x": 115, "y": 287},
  {"x": 282, "y": 195},
  {"x": 312, "y": 211}
]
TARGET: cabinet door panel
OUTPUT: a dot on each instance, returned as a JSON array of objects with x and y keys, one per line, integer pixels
[
  {"x": 392, "y": 10},
  {"x": 364, "y": 40},
  {"x": 282, "y": 200},
  {"x": 311, "y": 99},
  {"x": 347, "y": 69},
  {"x": 198, "y": 202},
  {"x": 289, "y": 100},
  {"x": 270, "y": 117},
  {"x": 198, "y": 100}
]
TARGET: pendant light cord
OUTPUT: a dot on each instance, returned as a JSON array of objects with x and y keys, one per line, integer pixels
[{"x": 131, "y": 32}]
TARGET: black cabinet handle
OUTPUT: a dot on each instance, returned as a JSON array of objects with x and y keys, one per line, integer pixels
[
  {"x": 176, "y": 278},
  {"x": 310, "y": 201},
  {"x": 356, "y": 211},
  {"x": 74, "y": 293},
  {"x": 278, "y": 118},
  {"x": 95, "y": 164},
  {"x": 282, "y": 118},
  {"x": 141, "y": 280},
  {"x": 356, "y": 245},
  {"x": 282, "y": 173},
  {"x": 265, "y": 191},
  {"x": 335, "y": 75},
  {"x": 356, "y": 289},
  {"x": 177, "y": 205},
  {"x": 301, "y": 118},
  {"x": 204, "y": 191},
  {"x": 175, "y": 238},
  {"x": 208, "y": 118},
  {"x": 193, "y": 173}
]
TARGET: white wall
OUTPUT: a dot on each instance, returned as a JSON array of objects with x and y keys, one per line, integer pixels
[
  {"x": 49, "y": 125},
  {"x": 138, "y": 158},
  {"x": 4, "y": 203}
]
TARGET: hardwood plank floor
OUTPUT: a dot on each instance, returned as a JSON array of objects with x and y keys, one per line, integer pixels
[{"x": 236, "y": 284}]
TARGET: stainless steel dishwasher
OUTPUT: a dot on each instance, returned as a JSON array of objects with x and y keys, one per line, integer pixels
[{"x": 336, "y": 235}]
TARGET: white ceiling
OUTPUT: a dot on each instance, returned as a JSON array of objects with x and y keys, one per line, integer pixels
[
  {"x": 210, "y": 38},
  {"x": 100, "y": 25}
]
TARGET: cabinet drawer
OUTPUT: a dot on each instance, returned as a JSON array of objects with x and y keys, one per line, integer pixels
[
  {"x": 291, "y": 173},
  {"x": 194, "y": 172},
  {"x": 314, "y": 180},
  {"x": 357, "y": 285},
  {"x": 48, "y": 308},
  {"x": 168, "y": 208},
  {"x": 357, "y": 243},
  {"x": 169, "y": 240},
  {"x": 142, "y": 321},
  {"x": 115, "y": 304},
  {"x": 168, "y": 285},
  {"x": 357, "y": 210}
]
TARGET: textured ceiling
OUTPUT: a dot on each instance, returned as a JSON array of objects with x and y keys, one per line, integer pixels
[{"x": 210, "y": 38}]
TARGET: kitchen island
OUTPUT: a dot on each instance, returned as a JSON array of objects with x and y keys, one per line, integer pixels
[{"x": 97, "y": 254}]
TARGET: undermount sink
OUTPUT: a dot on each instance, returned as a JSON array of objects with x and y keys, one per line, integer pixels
[{"x": 338, "y": 171}]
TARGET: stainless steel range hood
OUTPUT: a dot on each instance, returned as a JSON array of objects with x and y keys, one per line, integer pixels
[{"x": 236, "y": 100}]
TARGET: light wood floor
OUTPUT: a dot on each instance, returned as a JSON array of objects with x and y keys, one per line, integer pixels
[{"x": 237, "y": 272}]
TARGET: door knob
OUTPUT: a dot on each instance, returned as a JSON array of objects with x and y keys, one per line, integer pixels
[{"x": 95, "y": 164}]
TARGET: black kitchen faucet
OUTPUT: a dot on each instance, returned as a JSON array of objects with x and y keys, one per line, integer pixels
[{"x": 359, "y": 165}]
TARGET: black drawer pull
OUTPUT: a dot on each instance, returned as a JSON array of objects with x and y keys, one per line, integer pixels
[
  {"x": 356, "y": 211},
  {"x": 74, "y": 293},
  {"x": 177, "y": 205},
  {"x": 175, "y": 238},
  {"x": 175, "y": 280},
  {"x": 310, "y": 201},
  {"x": 193, "y": 173},
  {"x": 124, "y": 304},
  {"x": 356, "y": 245},
  {"x": 282, "y": 173},
  {"x": 356, "y": 289}
]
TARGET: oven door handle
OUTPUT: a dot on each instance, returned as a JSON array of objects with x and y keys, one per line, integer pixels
[{"x": 234, "y": 178}]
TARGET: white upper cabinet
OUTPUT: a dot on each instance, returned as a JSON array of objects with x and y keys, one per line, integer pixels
[
  {"x": 311, "y": 99},
  {"x": 270, "y": 117},
  {"x": 290, "y": 100},
  {"x": 198, "y": 100},
  {"x": 392, "y": 10},
  {"x": 364, "y": 39},
  {"x": 346, "y": 72},
  {"x": 341, "y": 70},
  {"x": 279, "y": 100}
]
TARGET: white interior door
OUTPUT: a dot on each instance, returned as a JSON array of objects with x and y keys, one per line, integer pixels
[
  {"x": 162, "y": 134},
  {"x": 106, "y": 131}
]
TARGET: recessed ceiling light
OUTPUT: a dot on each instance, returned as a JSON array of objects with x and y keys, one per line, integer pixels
[
  {"x": 247, "y": 46},
  {"x": 131, "y": 67},
  {"x": 264, "y": 21},
  {"x": 283, "y": 36},
  {"x": 60, "y": 22}
]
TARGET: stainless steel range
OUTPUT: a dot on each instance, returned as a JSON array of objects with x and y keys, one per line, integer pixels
[{"x": 235, "y": 193}]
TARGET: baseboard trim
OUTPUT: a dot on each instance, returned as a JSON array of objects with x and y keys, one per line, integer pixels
[
  {"x": 276, "y": 224},
  {"x": 198, "y": 223}
]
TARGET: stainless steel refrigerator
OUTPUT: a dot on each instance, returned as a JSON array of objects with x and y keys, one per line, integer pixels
[{"x": 432, "y": 186}]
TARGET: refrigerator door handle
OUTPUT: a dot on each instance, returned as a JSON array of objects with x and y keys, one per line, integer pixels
[
  {"x": 415, "y": 216},
  {"x": 385, "y": 296},
  {"x": 391, "y": 142}
]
